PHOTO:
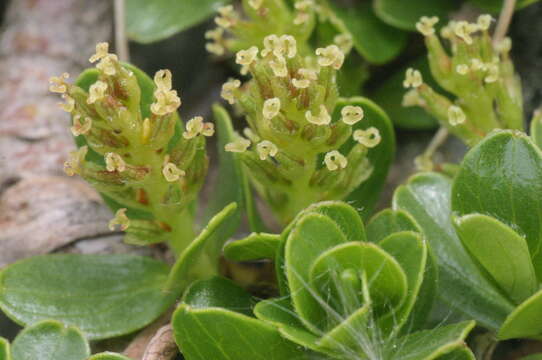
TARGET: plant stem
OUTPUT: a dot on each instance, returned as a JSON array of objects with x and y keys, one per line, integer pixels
[
  {"x": 438, "y": 139},
  {"x": 121, "y": 41},
  {"x": 503, "y": 23}
]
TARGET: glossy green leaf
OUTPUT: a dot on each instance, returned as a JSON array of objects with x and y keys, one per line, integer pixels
[
  {"x": 389, "y": 95},
  {"x": 108, "y": 356},
  {"x": 208, "y": 326},
  {"x": 410, "y": 252},
  {"x": 103, "y": 295},
  {"x": 427, "y": 198},
  {"x": 5, "y": 351},
  {"x": 389, "y": 221},
  {"x": 494, "y": 6},
  {"x": 501, "y": 252},
  {"x": 386, "y": 279},
  {"x": 233, "y": 182},
  {"x": 461, "y": 352},
  {"x": 430, "y": 344},
  {"x": 524, "y": 321},
  {"x": 502, "y": 177},
  {"x": 50, "y": 340},
  {"x": 312, "y": 235},
  {"x": 200, "y": 258},
  {"x": 404, "y": 15},
  {"x": 374, "y": 40},
  {"x": 254, "y": 247},
  {"x": 536, "y": 128},
  {"x": 381, "y": 157},
  {"x": 150, "y": 21}
]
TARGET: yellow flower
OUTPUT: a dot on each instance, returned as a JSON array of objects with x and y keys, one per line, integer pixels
[
  {"x": 456, "y": 115},
  {"x": 306, "y": 76},
  {"x": 120, "y": 219},
  {"x": 167, "y": 100},
  {"x": 75, "y": 161},
  {"x": 228, "y": 89},
  {"x": 58, "y": 83},
  {"x": 172, "y": 173},
  {"x": 344, "y": 42},
  {"x": 238, "y": 146},
  {"x": 330, "y": 56},
  {"x": 114, "y": 162},
  {"x": 255, "y": 4},
  {"x": 413, "y": 78},
  {"x": 426, "y": 25},
  {"x": 196, "y": 126},
  {"x": 227, "y": 17},
  {"x": 246, "y": 57},
  {"x": 271, "y": 108},
  {"x": 102, "y": 50},
  {"x": 334, "y": 160},
  {"x": 323, "y": 118},
  {"x": 351, "y": 114},
  {"x": 484, "y": 22},
  {"x": 107, "y": 65},
  {"x": 278, "y": 65},
  {"x": 81, "y": 127},
  {"x": 368, "y": 138},
  {"x": 96, "y": 92},
  {"x": 69, "y": 105},
  {"x": 265, "y": 149}
]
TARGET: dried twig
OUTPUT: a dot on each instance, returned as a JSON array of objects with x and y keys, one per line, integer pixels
[
  {"x": 121, "y": 41},
  {"x": 504, "y": 21}
]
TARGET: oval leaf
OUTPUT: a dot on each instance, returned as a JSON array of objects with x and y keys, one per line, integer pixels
[
  {"x": 389, "y": 221},
  {"x": 502, "y": 177},
  {"x": 50, "y": 340},
  {"x": 403, "y": 15},
  {"x": 254, "y": 247},
  {"x": 524, "y": 321},
  {"x": 426, "y": 197},
  {"x": 103, "y": 295},
  {"x": 501, "y": 252}
]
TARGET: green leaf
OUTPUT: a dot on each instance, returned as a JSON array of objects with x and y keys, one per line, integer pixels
[
  {"x": 5, "y": 352},
  {"x": 494, "y": 6},
  {"x": 430, "y": 344},
  {"x": 50, "y": 340},
  {"x": 404, "y": 15},
  {"x": 150, "y": 21},
  {"x": 524, "y": 321},
  {"x": 233, "y": 182},
  {"x": 536, "y": 128},
  {"x": 208, "y": 326},
  {"x": 200, "y": 259},
  {"x": 374, "y": 40},
  {"x": 426, "y": 197},
  {"x": 533, "y": 357},
  {"x": 389, "y": 95},
  {"x": 386, "y": 279},
  {"x": 462, "y": 352},
  {"x": 254, "y": 247},
  {"x": 218, "y": 292},
  {"x": 390, "y": 221},
  {"x": 502, "y": 177},
  {"x": 103, "y": 295},
  {"x": 312, "y": 235},
  {"x": 501, "y": 252},
  {"x": 410, "y": 251},
  {"x": 108, "y": 356},
  {"x": 381, "y": 156}
]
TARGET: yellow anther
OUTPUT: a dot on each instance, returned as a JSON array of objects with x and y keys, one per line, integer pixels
[
  {"x": 246, "y": 57},
  {"x": 286, "y": 45},
  {"x": 368, "y": 138},
  {"x": 81, "y": 125},
  {"x": 271, "y": 108},
  {"x": 196, "y": 126},
  {"x": 167, "y": 100},
  {"x": 301, "y": 18},
  {"x": 334, "y": 160},
  {"x": 303, "y": 7},
  {"x": 146, "y": 131},
  {"x": 463, "y": 30},
  {"x": 413, "y": 78},
  {"x": 477, "y": 64},
  {"x": 255, "y": 4},
  {"x": 323, "y": 118},
  {"x": 344, "y": 42},
  {"x": 215, "y": 34},
  {"x": 271, "y": 43},
  {"x": 96, "y": 92},
  {"x": 114, "y": 162},
  {"x": 238, "y": 146},
  {"x": 306, "y": 76},
  {"x": 504, "y": 46},
  {"x": 75, "y": 161},
  {"x": 228, "y": 89},
  {"x": 251, "y": 135},
  {"x": 215, "y": 49},
  {"x": 426, "y": 25},
  {"x": 227, "y": 17},
  {"x": 484, "y": 22},
  {"x": 330, "y": 56},
  {"x": 462, "y": 69},
  {"x": 171, "y": 172},
  {"x": 58, "y": 83},
  {"x": 265, "y": 149},
  {"x": 289, "y": 45},
  {"x": 412, "y": 98},
  {"x": 446, "y": 32},
  {"x": 107, "y": 65},
  {"x": 456, "y": 115},
  {"x": 102, "y": 50},
  {"x": 69, "y": 105},
  {"x": 492, "y": 73},
  {"x": 120, "y": 219},
  {"x": 351, "y": 114},
  {"x": 278, "y": 65}
]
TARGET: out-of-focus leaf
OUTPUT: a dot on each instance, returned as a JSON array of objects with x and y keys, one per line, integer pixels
[
  {"x": 404, "y": 14},
  {"x": 494, "y": 6},
  {"x": 5, "y": 351}
]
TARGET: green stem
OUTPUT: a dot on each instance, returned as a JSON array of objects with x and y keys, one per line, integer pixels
[{"x": 182, "y": 233}]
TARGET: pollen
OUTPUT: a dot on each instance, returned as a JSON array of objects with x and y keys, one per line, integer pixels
[
  {"x": 334, "y": 160},
  {"x": 107, "y": 65},
  {"x": 484, "y": 22},
  {"x": 238, "y": 146},
  {"x": 96, "y": 92},
  {"x": 323, "y": 118},
  {"x": 120, "y": 219},
  {"x": 69, "y": 105},
  {"x": 278, "y": 65},
  {"x": 351, "y": 114},
  {"x": 58, "y": 83},
  {"x": 246, "y": 57},
  {"x": 196, "y": 126},
  {"x": 114, "y": 162},
  {"x": 462, "y": 69},
  {"x": 272, "y": 45},
  {"x": 330, "y": 56},
  {"x": 426, "y": 25},
  {"x": 227, "y": 17},
  {"x": 167, "y": 100},
  {"x": 75, "y": 161},
  {"x": 81, "y": 125},
  {"x": 228, "y": 89},
  {"x": 303, "y": 8},
  {"x": 368, "y": 138},
  {"x": 172, "y": 173},
  {"x": 265, "y": 149},
  {"x": 271, "y": 108},
  {"x": 463, "y": 30},
  {"x": 306, "y": 76},
  {"x": 102, "y": 50},
  {"x": 456, "y": 115},
  {"x": 413, "y": 78}
]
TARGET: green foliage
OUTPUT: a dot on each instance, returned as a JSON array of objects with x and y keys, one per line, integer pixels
[
  {"x": 536, "y": 128},
  {"x": 404, "y": 15},
  {"x": 108, "y": 356}
]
